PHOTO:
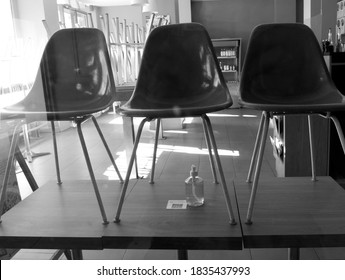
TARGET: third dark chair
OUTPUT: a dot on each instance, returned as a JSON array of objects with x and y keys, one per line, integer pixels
[{"x": 284, "y": 73}]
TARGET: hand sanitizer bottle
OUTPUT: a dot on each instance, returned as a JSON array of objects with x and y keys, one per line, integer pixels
[{"x": 194, "y": 189}]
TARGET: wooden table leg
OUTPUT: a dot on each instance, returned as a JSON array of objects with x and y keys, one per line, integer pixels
[
  {"x": 294, "y": 253},
  {"x": 182, "y": 254},
  {"x": 77, "y": 254}
]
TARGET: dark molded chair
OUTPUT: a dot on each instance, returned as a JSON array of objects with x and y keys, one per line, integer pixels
[
  {"x": 179, "y": 76},
  {"x": 284, "y": 73},
  {"x": 73, "y": 82}
]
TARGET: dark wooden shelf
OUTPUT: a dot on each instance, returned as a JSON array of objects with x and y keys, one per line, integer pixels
[{"x": 233, "y": 44}]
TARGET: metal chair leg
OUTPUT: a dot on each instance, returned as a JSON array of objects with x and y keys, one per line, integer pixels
[
  {"x": 92, "y": 175},
  {"x": 129, "y": 170},
  {"x": 208, "y": 144},
  {"x": 57, "y": 166},
  {"x": 107, "y": 148},
  {"x": 135, "y": 159},
  {"x": 311, "y": 145},
  {"x": 258, "y": 168},
  {"x": 162, "y": 131},
  {"x": 255, "y": 151},
  {"x": 339, "y": 131},
  {"x": 26, "y": 170},
  {"x": 158, "y": 124},
  {"x": 8, "y": 167},
  {"x": 209, "y": 130},
  {"x": 28, "y": 152}
]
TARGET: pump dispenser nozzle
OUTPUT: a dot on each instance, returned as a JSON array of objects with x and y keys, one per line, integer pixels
[{"x": 193, "y": 171}]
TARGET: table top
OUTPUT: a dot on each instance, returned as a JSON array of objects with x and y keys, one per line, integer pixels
[
  {"x": 289, "y": 213},
  {"x": 68, "y": 216},
  {"x": 293, "y": 213},
  {"x": 147, "y": 223}
]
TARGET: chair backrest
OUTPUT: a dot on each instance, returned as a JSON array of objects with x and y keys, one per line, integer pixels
[
  {"x": 179, "y": 69},
  {"x": 284, "y": 64},
  {"x": 75, "y": 75}
]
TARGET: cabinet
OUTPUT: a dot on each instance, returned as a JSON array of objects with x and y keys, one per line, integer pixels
[
  {"x": 228, "y": 52},
  {"x": 336, "y": 65},
  {"x": 291, "y": 150}
]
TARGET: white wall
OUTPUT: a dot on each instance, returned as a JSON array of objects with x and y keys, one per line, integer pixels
[
  {"x": 133, "y": 14},
  {"x": 321, "y": 15},
  {"x": 30, "y": 31},
  {"x": 184, "y": 10},
  {"x": 284, "y": 11},
  {"x": 128, "y": 13},
  {"x": 167, "y": 7},
  {"x": 28, "y": 16},
  {"x": 51, "y": 15}
]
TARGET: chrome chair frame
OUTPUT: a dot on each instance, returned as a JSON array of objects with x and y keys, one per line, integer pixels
[{"x": 211, "y": 142}]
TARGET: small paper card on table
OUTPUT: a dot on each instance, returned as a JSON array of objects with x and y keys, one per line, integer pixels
[{"x": 177, "y": 204}]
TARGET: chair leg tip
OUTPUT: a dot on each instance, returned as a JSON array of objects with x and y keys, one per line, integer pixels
[
  {"x": 105, "y": 222},
  {"x": 233, "y": 222},
  {"x": 249, "y": 222},
  {"x": 116, "y": 220}
]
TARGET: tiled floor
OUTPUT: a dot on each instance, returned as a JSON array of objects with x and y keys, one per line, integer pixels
[{"x": 235, "y": 131}]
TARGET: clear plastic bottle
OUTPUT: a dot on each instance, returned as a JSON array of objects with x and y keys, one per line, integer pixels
[{"x": 194, "y": 189}]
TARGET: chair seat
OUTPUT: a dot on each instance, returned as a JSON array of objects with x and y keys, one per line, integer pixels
[
  {"x": 330, "y": 101},
  {"x": 191, "y": 106},
  {"x": 36, "y": 111},
  {"x": 282, "y": 74},
  {"x": 73, "y": 79},
  {"x": 295, "y": 108}
]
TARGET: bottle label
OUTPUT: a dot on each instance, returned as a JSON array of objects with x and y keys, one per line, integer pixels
[{"x": 177, "y": 204}]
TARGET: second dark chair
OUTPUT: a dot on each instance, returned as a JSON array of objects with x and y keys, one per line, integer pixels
[{"x": 179, "y": 77}]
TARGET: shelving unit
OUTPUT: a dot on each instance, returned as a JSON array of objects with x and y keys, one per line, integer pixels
[{"x": 228, "y": 51}]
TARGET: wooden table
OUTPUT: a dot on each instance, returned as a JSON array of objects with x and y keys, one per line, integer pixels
[
  {"x": 146, "y": 223},
  {"x": 56, "y": 217},
  {"x": 67, "y": 216},
  {"x": 293, "y": 213}
]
